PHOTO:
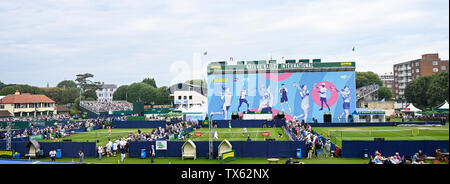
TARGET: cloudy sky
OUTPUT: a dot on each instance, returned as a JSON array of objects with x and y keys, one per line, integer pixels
[{"x": 122, "y": 42}]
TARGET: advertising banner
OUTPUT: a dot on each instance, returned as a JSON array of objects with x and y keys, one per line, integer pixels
[
  {"x": 161, "y": 145},
  {"x": 300, "y": 95}
]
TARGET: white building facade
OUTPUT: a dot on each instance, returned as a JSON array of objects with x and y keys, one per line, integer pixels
[{"x": 105, "y": 94}]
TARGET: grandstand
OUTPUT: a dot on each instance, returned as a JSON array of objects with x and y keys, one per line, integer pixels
[
  {"x": 98, "y": 107},
  {"x": 370, "y": 91}
]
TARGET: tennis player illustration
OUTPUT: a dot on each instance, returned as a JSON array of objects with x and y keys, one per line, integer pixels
[
  {"x": 345, "y": 93},
  {"x": 284, "y": 98},
  {"x": 266, "y": 100},
  {"x": 243, "y": 98},
  {"x": 226, "y": 97},
  {"x": 323, "y": 95},
  {"x": 304, "y": 93}
]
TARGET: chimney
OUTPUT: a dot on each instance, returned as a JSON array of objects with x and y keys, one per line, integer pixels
[{"x": 17, "y": 92}]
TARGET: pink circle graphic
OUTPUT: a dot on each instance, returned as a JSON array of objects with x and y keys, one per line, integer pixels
[
  {"x": 330, "y": 89},
  {"x": 277, "y": 77}
]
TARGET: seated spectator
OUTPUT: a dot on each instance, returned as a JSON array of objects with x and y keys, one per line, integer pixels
[{"x": 416, "y": 159}]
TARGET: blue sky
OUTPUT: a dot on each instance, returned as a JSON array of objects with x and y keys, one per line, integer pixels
[{"x": 122, "y": 42}]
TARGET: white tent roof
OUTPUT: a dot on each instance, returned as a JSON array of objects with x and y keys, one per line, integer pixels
[
  {"x": 411, "y": 108},
  {"x": 445, "y": 106}
]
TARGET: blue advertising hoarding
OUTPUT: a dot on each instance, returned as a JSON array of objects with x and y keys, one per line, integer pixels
[{"x": 300, "y": 95}]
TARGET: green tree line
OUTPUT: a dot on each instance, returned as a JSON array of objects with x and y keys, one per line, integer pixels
[{"x": 427, "y": 92}]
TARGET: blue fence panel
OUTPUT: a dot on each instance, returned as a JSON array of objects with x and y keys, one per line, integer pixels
[{"x": 354, "y": 149}]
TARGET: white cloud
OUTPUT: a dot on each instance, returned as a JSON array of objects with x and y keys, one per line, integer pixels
[{"x": 138, "y": 39}]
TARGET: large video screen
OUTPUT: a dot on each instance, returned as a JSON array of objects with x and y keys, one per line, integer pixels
[{"x": 302, "y": 96}]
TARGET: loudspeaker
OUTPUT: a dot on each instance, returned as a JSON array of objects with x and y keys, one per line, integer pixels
[
  {"x": 67, "y": 140},
  {"x": 378, "y": 139},
  {"x": 270, "y": 139},
  {"x": 327, "y": 118},
  {"x": 280, "y": 115},
  {"x": 235, "y": 115}
]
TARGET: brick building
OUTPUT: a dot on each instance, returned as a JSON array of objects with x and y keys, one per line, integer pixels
[{"x": 408, "y": 71}]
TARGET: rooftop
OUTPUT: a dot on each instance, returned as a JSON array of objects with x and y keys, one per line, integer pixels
[{"x": 25, "y": 98}]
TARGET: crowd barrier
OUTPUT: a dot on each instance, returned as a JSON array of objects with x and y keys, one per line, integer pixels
[
  {"x": 355, "y": 149},
  {"x": 369, "y": 124},
  {"x": 68, "y": 149},
  {"x": 138, "y": 124},
  {"x": 254, "y": 149}
]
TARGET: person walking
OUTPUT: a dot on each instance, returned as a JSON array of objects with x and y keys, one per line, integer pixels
[
  {"x": 52, "y": 155},
  {"x": 327, "y": 148},
  {"x": 152, "y": 153},
  {"x": 81, "y": 155},
  {"x": 100, "y": 152},
  {"x": 122, "y": 153}
]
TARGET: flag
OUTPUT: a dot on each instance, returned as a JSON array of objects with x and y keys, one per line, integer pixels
[{"x": 353, "y": 49}]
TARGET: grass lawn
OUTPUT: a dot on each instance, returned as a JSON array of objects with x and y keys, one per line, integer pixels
[
  {"x": 337, "y": 134},
  {"x": 114, "y": 160},
  {"x": 224, "y": 133},
  {"x": 236, "y": 134}
]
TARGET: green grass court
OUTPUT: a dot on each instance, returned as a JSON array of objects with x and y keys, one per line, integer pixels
[
  {"x": 235, "y": 134},
  {"x": 337, "y": 134}
]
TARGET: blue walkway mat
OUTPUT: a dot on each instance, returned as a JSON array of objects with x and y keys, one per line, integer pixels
[{"x": 34, "y": 162}]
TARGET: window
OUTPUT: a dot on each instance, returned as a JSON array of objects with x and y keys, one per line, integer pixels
[
  {"x": 179, "y": 97},
  {"x": 417, "y": 70},
  {"x": 435, "y": 63},
  {"x": 443, "y": 68},
  {"x": 435, "y": 69},
  {"x": 417, "y": 64},
  {"x": 31, "y": 105},
  {"x": 190, "y": 97},
  {"x": 185, "y": 97},
  {"x": 2, "y": 106}
]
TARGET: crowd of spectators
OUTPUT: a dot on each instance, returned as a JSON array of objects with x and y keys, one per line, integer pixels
[
  {"x": 55, "y": 117},
  {"x": 97, "y": 107},
  {"x": 419, "y": 117},
  {"x": 58, "y": 130},
  {"x": 378, "y": 158},
  {"x": 316, "y": 145},
  {"x": 363, "y": 91},
  {"x": 181, "y": 129}
]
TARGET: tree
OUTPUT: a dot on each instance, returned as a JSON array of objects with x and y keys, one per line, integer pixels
[
  {"x": 67, "y": 84},
  {"x": 150, "y": 81},
  {"x": 90, "y": 94},
  {"x": 438, "y": 92},
  {"x": 22, "y": 89},
  {"x": 69, "y": 95},
  {"x": 384, "y": 93},
  {"x": 148, "y": 94},
  {"x": 162, "y": 96},
  {"x": 121, "y": 93},
  {"x": 1, "y": 85},
  {"x": 367, "y": 78},
  {"x": 416, "y": 92},
  {"x": 55, "y": 94},
  {"x": 86, "y": 84}
]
